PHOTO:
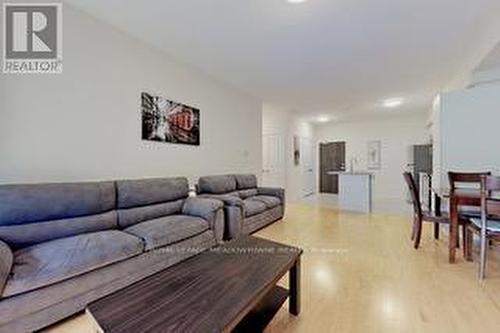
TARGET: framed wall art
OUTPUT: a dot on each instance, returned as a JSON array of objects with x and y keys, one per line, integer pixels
[
  {"x": 374, "y": 156},
  {"x": 164, "y": 120}
]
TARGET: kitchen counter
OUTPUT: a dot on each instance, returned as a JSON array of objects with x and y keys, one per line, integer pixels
[
  {"x": 360, "y": 173},
  {"x": 355, "y": 190}
]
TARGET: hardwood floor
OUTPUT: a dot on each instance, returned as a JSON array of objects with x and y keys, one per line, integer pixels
[{"x": 361, "y": 274}]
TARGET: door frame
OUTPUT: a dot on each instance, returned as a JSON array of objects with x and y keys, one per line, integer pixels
[
  {"x": 281, "y": 162},
  {"x": 322, "y": 172},
  {"x": 307, "y": 142}
]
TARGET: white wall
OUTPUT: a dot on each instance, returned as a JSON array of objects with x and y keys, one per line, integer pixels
[
  {"x": 85, "y": 124},
  {"x": 469, "y": 132},
  {"x": 397, "y": 134},
  {"x": 465, "y": 123},
  {"x": 284, "y": 123},
  {"x": 436, "y": 142}
]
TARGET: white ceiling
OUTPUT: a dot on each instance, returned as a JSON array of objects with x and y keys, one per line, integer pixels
[
  {"x": 491, "y": 61},
  {"x": 335, "y": 57}
]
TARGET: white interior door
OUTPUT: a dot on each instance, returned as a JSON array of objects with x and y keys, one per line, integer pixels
[
  {"x": 273, "y": 160},
  {"x": 307, "y": 156}
]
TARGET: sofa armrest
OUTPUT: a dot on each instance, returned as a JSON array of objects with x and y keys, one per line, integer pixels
[
  {"x": 208, "y": 209},
  {"x": 233, "y": 213},
  {"x": 6, "y": 261},
  {"x": 273, "y": 191},
  {"x": 234, "y": 216}
]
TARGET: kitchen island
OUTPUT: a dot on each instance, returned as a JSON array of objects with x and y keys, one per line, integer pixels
[{"x": 355, "y": 191}]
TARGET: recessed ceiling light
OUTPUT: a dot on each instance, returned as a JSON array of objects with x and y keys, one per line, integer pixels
[
  {"x": 296, "y": 1},
  {"x": 323, "y": 119},
  {"x": 393, "y": 102}
]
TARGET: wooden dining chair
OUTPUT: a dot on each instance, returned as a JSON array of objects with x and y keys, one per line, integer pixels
[
  {"x": 488, "y": 225},
  {"x": 466, "y": 180},
  {"x": 420, "y": 215},
  {"x": 456, "y": 178}
]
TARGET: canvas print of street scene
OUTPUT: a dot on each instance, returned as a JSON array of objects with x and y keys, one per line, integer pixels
[{"x": 168, "y": 121}]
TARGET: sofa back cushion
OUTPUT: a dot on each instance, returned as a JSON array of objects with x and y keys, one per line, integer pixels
[
  {"x": 244, "y": 194},
  {"x": 217, "y": 184},
  {"x": 34, "y": 213},
  {"x": 245, "y": 182},
  {"x": 146, "y": 199}
]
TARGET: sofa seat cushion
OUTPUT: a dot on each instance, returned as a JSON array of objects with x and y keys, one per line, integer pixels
[
  {"x": 168, "y": 230},
  {"x": 57, "y": 260},
  {"x": 253, "y": 207},
  {"x": 268, "y": 200}
]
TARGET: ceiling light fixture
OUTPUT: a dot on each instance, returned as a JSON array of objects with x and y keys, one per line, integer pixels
[
  {"x": 393, "y": 102},
  {"x": 296, "y": 1},
  {"x": 323, "y": 119}
]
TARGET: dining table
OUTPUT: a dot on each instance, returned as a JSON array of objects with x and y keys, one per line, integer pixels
[{"x": 470, "y": 197}]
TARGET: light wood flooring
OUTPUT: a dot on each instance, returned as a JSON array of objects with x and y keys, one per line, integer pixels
[{"x": 360, "y": 273}]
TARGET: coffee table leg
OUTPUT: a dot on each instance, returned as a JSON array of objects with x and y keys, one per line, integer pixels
[{"x": 294, "y": 279}]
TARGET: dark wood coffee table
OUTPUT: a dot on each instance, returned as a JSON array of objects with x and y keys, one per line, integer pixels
[{"x": 229, "y": 288}]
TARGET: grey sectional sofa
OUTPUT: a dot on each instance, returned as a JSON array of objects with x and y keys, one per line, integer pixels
[
  {"x": 247, "y": 207},
  {"x": 65, "y": 245}
]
